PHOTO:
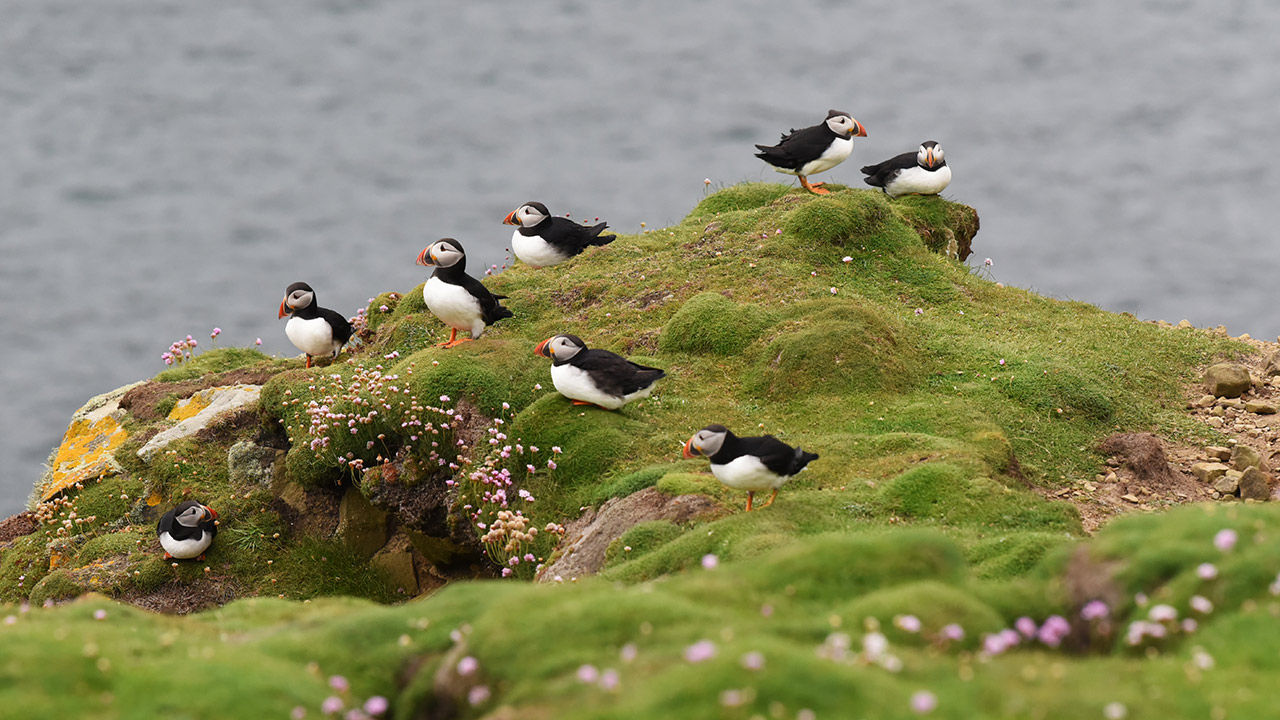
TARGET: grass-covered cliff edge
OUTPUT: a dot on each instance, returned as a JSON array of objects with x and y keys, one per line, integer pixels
[{"x": 950, "y": 414}]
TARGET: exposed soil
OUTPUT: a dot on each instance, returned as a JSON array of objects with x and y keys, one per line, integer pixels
[
  {"x": 1145, "y": 473},
  {"x": 177, "y": 598},
  {"x": 24, "y": 523}
]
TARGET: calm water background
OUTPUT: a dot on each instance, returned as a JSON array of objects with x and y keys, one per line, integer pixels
[{"x": 168, "y": 167}]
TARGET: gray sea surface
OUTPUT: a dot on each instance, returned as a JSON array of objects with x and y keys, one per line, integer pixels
[{"x": 169, "y": 167}]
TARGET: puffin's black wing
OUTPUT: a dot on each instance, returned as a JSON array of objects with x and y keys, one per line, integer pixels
[
  {"x": 615, "y": 374},
  {"x": 490, "y": 310},
  {"x": 571, "y": 237},
  {"x": 779, "y": 457},
  {"x": 341, "y": 328},
  {"x": 166, "y": 522},
  {"x": 798, "y": 147},
  {"x": 881, "y": 174}
]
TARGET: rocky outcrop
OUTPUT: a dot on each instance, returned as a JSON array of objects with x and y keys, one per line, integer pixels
[{"x": 1230, "y": 380}]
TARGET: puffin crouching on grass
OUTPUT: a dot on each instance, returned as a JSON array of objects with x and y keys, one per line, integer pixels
[
  {"x": 816, "y": 149},
  {"x": 312, "y": 329},
  {"x": 541, "y": 240},
  {"x": 754, "y": 464},
  {"x": 187, "y": 530},
  {"x": 596, "y": 377},
  {"x": 458, "y": 299},
  {"x": 923, "y": 172}
]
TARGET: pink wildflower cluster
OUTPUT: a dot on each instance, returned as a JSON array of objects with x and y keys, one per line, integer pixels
[
  {"x": 342, "y": 704},
  {"x": 181, "y": 350},
  {"x": 369, "y": 418}
]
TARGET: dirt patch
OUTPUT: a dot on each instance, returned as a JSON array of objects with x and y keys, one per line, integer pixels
[
  {"x": 16, "y": 526},
  {"x": 582, "y": 551},
  {"x": 143, "y": 400},
  {"x": 178, "y": 598}
]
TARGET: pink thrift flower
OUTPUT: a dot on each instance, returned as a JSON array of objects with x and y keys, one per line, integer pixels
[
  {"x": 478, "y": 694},
  {"x": 99, "y": 614},
  {"x": 907, "y": 623},
  {"x": 1189, "y": 626},
  {"x": 923, "y": 702},
  {"x": 953, "y": 632},
  {"x": 339, "y": 683},
  {"x": 628, "y": 652},
  {"x": 332, "y": 705},
  {"x": 1162, "y": 613},
  {"x": 609, "y": 679},
  {"x": 710, "y": 561},
  {"x": 1094, "y": 610},
  {"x": 376, "y": 705},
  {"x": 700, "y": 651},
  {"x": 753, "y": 661},
  {"x": 1026, "y": 626},
  {"x": 994, "y": 644},
  {"x": 1201, "y": 604},
  {"x": 468, "y": 665},
  {"x": 258, "y": 341},
  {"x": 1225, "y": 539},
  {"x": 298, "y": 713},
  {"x": 588, "y": 674},
  {"x": 1207, "y": 571}
]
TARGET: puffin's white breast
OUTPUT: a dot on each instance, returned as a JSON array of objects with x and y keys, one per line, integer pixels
[
  {"x": 746, "y": 472},
  {"x": 835, "y": 154},
  {"x": 916, "y": 180},
  {"x": 533, "y": 250},
  {"x": 455, "y": 307},
  {"x": 313, "y": 337},
  {"x": 184, "y": 549},
  {"x": 575, "y": 384}
]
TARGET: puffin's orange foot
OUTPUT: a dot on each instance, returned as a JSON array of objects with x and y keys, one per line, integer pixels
[
  {"x": 584, "y": 402},
  {"x": 308, "y": 361},
  {"x": 750, "y": 496},
  {"x": 812, "y": 187},
  {"x": 453, "y": 343},
  {"x": 167, "y": 556},
  {"x": 772, "y": 497}
]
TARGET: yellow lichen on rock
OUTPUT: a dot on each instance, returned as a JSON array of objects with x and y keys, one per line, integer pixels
[
  {"x": 192, "y": 406},
  {"x": 87, "y": 448}
]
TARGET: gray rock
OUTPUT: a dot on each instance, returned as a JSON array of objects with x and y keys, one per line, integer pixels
[
  {"x": 1217, "y": 452},
  {"x": 251, "y": 464},
  {"x": 1209, "y": 472},
  {"x": 1244, "y": 456},
  {"x": 1254, "y": 485},
  {"x": 1227, "y": 485},
  {"x": 1272, "y": 366},
  {"x": 212, "y": 403},
  {"x": 362, "y": 527},
  {"x": 1261, "y": 407},
  {"x": 1227, "y": 380}
]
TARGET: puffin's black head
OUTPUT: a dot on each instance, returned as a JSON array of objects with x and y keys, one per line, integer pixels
[
  {"x": 560, "y": 347},
  {"x": 191, "y": 513},
  {"x": 843, "y": 124},
  {"x": 445, "y": 252},
  {"x": 296, "y": 297},
  {"x": 527, "y": 215},
  {"x": 930, "y": 155},
  {"x": 706, "y": 441}
]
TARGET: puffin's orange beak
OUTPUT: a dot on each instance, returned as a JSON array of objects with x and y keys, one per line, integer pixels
[
  {"x": 283, "y": 311},
  {"x": 859, "y": 130},
  {"x": 688, "y": 449},
  {"x": 424, "y": 257},
  {"x": 510, "y": 219},
  {"x": 928, "y": 157},
  {"x": 212, "y": 513},
  {"x": 542, "y": 348}
]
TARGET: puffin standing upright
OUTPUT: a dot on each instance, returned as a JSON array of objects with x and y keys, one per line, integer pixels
[
  {"x": 458, "y": 299},
  {"x": 923, "y": 172},
  {"x": 187, "y": 530},
  {"x": 314, "y": 330},
  {"x": 754, "y": 464},
  {"x": 814, "y": 149},
  {"x": 596, "y": 377},
  {"x": 542, "y": 240}
]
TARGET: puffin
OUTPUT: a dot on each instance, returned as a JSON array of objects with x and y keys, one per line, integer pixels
[
  {"x": 814, "y": 149},
  {"x": 458, "y": 299},
  {"x": 924, "y": 172},
  {"x": 541, "y": 240},
  {"x": 754, "y": 464},
  {"x": 187, "y": 530},
  {"x": 595, "y": 377},
  {"x": 314, "y": 330}
]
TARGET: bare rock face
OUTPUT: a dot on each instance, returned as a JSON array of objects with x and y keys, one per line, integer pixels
[
  {"x": 1254, "y": 485},
  {"x": 587, "y": 538},
  {"x": 1209, "y": 472},
  {"x": 1229, "y": 380},
  {"x": 1243, "y": 456}
]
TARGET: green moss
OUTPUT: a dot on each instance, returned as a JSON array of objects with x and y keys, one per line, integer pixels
[
  {"x": 55, "y": 586},
  {"x": 375, "y": 315},
  {"x": 319, "y": 568},
  {"x": 838, "y": 218},
  {"x": 640, "y": 539},
  {"x": 935, "y": 604},
  {"x": 744, "y": 196},
  {"x": 630, "y": 483},
  {"x": 22, "y": 564},
  {"x": 104, "y": 546},
  {"x": 216, "y": 361},
  {"x": 709, "y": 323},
  {"x": 683, "y": 483}
]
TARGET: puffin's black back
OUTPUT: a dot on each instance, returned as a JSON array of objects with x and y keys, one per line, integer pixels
[
  {"x": 169, "y": 524},
  {"x": 613, "y": 373},
  {"x": 779, "y": 457},
  {"x": 880, "y": 174},
  {"x": 569, "y": 237},
  {"x": 490, "y": 310},
  {"x": 798, "y": 146}
]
